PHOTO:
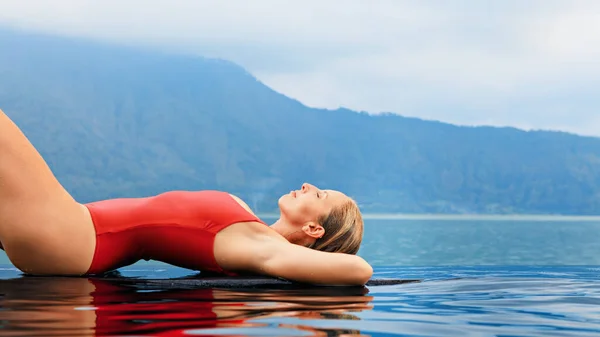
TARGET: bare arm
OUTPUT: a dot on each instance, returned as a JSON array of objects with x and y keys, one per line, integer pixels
[
  {"x": 279, "y": 258},
  {"x": 302, "y": 264}
]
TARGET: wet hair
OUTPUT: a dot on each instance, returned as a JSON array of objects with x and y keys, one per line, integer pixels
[{"x": 343, "y": 229}]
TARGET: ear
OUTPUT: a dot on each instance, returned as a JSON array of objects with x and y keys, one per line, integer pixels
[{"x": 313, "y": 229}]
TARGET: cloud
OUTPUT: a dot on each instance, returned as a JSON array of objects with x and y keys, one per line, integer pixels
[{"x": 530, "y": 64}]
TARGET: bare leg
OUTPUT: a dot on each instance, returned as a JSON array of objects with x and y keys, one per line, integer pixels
[{"x": 42, "y": 228}]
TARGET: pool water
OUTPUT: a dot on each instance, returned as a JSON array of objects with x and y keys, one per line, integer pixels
[
  {"x": 483, "y": 277},
  {"x": 449, "y": 301}
]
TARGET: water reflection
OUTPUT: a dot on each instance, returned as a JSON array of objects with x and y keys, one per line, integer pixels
[{"x": 98, "y": 307}]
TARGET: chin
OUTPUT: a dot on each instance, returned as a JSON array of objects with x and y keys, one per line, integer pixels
[
  {"x": 285, "y": 199},
  {"x": 281, "y": 204}
]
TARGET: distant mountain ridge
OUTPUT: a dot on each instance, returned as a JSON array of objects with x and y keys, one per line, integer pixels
[{"x": 115, "y": 121}]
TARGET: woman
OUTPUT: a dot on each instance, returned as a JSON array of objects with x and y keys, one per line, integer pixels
[{"x": 44, "y": 231}]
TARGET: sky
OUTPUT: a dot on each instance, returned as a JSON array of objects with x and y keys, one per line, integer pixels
[{"x": 531, "y": 64}]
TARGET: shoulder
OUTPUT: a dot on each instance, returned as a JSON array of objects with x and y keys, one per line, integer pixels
[
  {"x": 241, "y": 246},
  {"x": 242, "y": 203}
]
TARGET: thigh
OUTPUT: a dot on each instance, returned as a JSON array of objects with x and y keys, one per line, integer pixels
[
  {"x": 42, "y": 228},
  {"x": 49, "y": 238}
]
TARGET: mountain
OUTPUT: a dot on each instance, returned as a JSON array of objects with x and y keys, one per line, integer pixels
[{"x": 115, "y": 121}]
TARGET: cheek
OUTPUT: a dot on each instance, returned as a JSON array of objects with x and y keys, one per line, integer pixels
[
  {"x": 307, "y": 210},
  {"x": 295, "y": 209}
]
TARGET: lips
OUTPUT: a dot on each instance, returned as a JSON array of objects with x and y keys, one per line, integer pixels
[{"x": 293, "y": 193}]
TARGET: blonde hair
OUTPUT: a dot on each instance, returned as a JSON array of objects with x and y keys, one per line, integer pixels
[{"x": 343, "y": 229}]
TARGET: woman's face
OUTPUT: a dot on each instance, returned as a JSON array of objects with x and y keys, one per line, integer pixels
[{"x": 309, "y": 203}]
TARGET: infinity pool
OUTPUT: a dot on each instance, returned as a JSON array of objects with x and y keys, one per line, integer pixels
[{"x": 449, "y": 301}]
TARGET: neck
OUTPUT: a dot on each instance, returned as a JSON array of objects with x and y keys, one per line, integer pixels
[{"x": 290, "y": 232}]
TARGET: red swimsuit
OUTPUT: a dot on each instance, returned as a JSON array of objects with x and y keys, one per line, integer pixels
[{"x": 177, "y": 227}]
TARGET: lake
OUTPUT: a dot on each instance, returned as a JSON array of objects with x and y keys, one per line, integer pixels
[{"x": 479, "y": 276}]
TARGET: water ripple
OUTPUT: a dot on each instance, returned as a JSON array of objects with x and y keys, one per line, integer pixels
[{"x": 451, "y": 301}]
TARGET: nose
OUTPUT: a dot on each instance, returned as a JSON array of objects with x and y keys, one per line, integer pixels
[{"x": 306, "y": 187}]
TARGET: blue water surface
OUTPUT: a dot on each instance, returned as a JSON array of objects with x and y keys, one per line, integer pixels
[
  {"x": 476, "y": 278},
  {"x": 449, "y": 301}
]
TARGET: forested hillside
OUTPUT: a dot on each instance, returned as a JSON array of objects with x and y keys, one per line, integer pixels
[{"x": 114, "y": 121}]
